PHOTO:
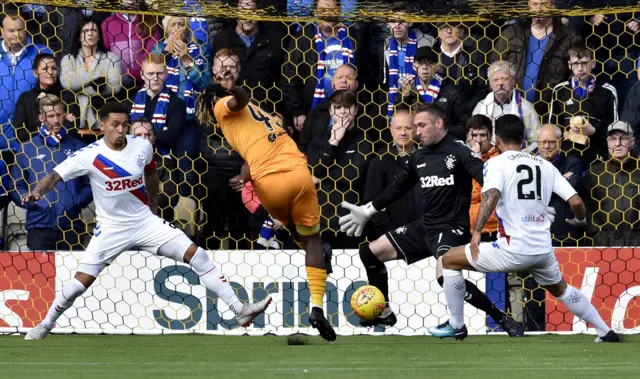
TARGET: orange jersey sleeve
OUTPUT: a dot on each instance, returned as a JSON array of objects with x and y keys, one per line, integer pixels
[{"x": 259, "y": 139}]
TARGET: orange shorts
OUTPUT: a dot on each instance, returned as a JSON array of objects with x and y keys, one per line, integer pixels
[{"x": 290, "y": 196}]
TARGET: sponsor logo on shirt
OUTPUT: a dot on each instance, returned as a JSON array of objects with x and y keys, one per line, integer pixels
[
  {"x": 533, "y": 218},
  {"x": 124, "y": 184},
  {"x": 436, "y": 181}
]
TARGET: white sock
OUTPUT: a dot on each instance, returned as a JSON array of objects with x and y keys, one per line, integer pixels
[
  {"x": 64, "y": 300},
  {"x": 580, "y": 306},
  {"x": 454, "y": 289},
  {"x": 214, "y": 280}
]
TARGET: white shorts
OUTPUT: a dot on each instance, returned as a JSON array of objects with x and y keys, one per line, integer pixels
[
  {"x": 110, "y": 241},
  {"x": 543, "y": 267}
]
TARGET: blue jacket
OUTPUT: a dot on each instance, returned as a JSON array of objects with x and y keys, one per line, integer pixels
[
  {"x": 60, "y": 205},
  {"x": 200, "y": 74},
  {"x": 5, "y": 183},
  {"x": 13, "y": 82}
]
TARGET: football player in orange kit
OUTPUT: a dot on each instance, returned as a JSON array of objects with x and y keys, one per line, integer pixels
[{"x": 279, "y": 175}]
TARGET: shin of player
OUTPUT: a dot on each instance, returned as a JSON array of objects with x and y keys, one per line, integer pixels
[
  {"x": 127, "y": 218},
  {"x": 519, "y": 185}
]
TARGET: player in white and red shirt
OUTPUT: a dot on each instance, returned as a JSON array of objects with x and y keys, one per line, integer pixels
[
  {"x": 521, "y": 185},
  {"x": 125, "y": 187}
]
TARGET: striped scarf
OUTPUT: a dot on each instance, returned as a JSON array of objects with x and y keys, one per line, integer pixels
[
  {"x": 429, "y": 94},
  {"x": 50, "y": 138},
  {"x": 580, "y": 92},
  {"x": 159, "y": 119},
  {"x": 394, "y": 67},
  {"x": 347, "y": 58},
  {"x": 173, "y": 77}
]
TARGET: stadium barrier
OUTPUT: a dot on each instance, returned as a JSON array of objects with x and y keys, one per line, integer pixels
[{"x": 145, "y": 294}]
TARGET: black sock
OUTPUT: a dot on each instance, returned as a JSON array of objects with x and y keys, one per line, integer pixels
[
  {"x": 479, "y": 300},
  {"x": 376, "y": 271}
]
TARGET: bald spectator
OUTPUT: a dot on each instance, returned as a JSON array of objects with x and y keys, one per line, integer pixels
[
  {"x": 383, "y": 170},
  {"x": 17, "y": 55},
  {"x": 571, "y": 167},
  {"x": 345, "y": 78},
  {"x": 305, "y": 83},
  {"x": 506, "y": 99}
]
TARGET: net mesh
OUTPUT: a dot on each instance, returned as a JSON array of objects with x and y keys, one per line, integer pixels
[{"x": 146, "y": 294}]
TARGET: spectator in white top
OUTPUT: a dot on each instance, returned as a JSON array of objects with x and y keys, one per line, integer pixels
[{"x": 506, "y": 99}]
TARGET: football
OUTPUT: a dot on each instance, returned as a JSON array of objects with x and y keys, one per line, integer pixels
[{"x": 367, "y": 302}]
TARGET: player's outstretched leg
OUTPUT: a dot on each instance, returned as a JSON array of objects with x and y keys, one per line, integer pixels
[
  {"x": 317, "y": 276},
  {"x": 64, "y": 300},
  {"x": 479, "y": 300},
  {"x": 371, "y": 255},
  {"x": 212, "y": 278},
  {"x": 580, "y": 306}
]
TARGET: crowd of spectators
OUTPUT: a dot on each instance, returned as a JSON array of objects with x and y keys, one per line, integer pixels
[{"x": 344, "y": 92}]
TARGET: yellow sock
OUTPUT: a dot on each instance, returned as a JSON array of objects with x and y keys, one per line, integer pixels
[{"x": 317, "y": 285}]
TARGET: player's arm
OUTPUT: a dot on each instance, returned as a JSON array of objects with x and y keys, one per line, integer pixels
[
  {"x": 45, "y": 185},
  {"x": 238, "y": 181},
  {"x": 487, "y": 207},
  {"x": 240, "y": 97}
]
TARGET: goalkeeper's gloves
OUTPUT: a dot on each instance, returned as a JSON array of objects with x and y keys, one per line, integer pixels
[
  {"x": 551, "y": 214},
  {"x": 353, "y": 223}
]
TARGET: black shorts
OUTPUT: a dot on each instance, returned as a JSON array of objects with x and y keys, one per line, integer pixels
[{"x": 415, "y": 242}]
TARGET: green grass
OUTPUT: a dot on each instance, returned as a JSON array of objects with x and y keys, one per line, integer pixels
[{"x": 200, "y": 356}]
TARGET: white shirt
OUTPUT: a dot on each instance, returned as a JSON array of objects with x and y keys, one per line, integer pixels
[
  {"x": 117, "y": 179},
  {"x": 526, "y": 183}
]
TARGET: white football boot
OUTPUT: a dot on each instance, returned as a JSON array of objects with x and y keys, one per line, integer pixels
[
  {"x": 251, "y": 311},
  {"x": 39, "y": 332}
]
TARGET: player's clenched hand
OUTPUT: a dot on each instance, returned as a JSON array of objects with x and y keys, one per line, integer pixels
[
  {"x": 575, "y": 222},
  {"x": 475, "y": 245},
  {"x": 551, "y": 214},
  {"x": 31, "y": 197},
  {"x": 226, "y": 79},
  {"x": 353, "y": 223},
  {"x": 236, "y": 183}
]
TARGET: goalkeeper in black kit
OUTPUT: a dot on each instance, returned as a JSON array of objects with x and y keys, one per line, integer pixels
[{"x": 445, "y": 167}]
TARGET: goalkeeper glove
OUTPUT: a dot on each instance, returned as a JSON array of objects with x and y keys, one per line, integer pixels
[{"x": 353, "y": 223}]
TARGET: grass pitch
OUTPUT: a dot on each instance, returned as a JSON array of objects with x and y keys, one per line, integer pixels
[{"x": 201, "y": 356}]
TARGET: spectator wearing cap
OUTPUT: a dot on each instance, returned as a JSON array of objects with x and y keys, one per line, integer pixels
[
  {"x": 506, "y": 99},
  {"x": 27, "y": 122},
  {"x": 612, "y": 200},
  {"x": 314, "y": 55},
  {"x": 384, "y": 167},
  {"x": 259, "y": 48},
  {"x": 537, "y": 48},
  {"x": 339, "y": 159},
  {"x": 427, "y": 86},
  {"x": 53, "y": 222},
  {"x": 463, "y": 56},
  {"x": 584, "y": 107},
  {"x": 17, "y": 54}
]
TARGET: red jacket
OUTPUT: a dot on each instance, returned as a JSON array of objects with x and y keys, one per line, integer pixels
[
  {"x": 476, "y": 199},
  {"x": 122, "y": 38}
]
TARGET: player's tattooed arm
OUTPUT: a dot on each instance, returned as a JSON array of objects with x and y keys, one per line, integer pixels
[
  {"x": 239, "y": 100},
  {"x": 488, "y": 205},
  {"x": 45, "y": 185},
  {"x": 153, "y": 188}
]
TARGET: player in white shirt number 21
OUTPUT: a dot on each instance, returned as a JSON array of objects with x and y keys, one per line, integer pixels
[
  {"x": 521, "y": 186},
  {"x": 120, "y": 167}
]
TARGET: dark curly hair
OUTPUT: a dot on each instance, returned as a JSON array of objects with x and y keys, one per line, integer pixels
[{"x": 207, "y": 101}]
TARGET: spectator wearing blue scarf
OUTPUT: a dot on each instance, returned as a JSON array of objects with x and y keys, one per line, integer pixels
[
  {"x": 316, "y": 53},
  {"x": 53, "y": 222}
]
